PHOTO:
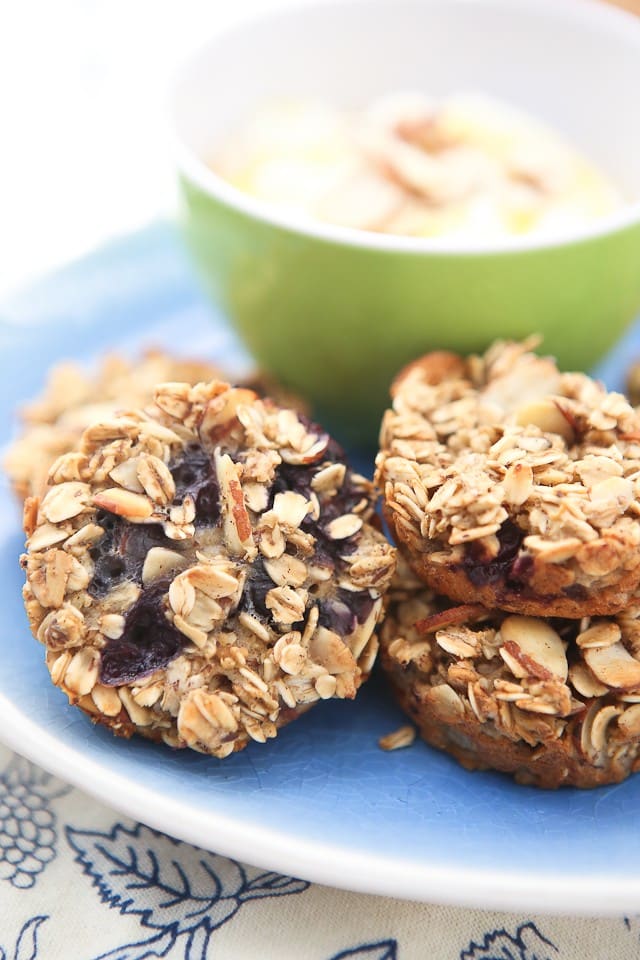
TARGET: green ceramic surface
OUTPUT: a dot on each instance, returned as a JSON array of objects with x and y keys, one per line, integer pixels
[{"x": 336, "y": 321}]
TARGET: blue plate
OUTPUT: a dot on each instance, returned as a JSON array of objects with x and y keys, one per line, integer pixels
[{"x": 322, "y": 801}]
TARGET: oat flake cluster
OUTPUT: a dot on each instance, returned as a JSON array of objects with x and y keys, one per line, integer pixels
[
  {"x": 513, "y": 633},
  {"x": 514, "y": 485},
  {"x": 203, "y": 572},
  {"x": 551, "y": 702},
  {"x": 73, "y": 398}
]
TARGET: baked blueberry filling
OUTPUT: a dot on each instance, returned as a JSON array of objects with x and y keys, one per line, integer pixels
[
  {"x": 121, "y": 552},
  {"x": 482, "y": 570},
  {"x": 194, "y": 475},
  {"x": 256, "y": 588},
  {"x": 148, "y": 641}
]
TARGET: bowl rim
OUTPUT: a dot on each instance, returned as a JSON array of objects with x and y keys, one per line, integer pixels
[{"x": 193, "y": 168}]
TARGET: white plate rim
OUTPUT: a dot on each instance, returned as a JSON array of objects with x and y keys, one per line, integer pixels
[{"x": 318, "y": 862}]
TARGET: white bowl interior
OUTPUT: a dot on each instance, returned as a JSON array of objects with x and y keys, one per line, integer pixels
[{"x": 574, "y": 64}]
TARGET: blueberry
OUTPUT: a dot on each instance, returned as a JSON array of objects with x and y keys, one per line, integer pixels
[{"x": 148, "y": 641}]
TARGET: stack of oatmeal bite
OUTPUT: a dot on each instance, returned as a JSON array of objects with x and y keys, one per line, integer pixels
[{"x": 512, "y": 637}]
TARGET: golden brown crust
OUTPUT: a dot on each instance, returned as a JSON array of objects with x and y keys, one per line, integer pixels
[
  {"x": 544, "y": 579},
  {"x": 554, "y": 764},
  {"x": 510, "y": 484},
  {"x": 553, "y": 703},
  {"x": 121, "y": 726}
]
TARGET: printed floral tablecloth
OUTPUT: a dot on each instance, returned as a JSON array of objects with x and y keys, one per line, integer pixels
[{"x": 80, "y": 882}]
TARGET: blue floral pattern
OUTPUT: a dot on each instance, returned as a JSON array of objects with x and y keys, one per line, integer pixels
[
  {"x": 527, "y": 943},
  {"x": 382, "y": 950},
  {"x": 181, "y": 893},
  {"x": 26, "y": 946},
  {"x": 28, "y": 834}
]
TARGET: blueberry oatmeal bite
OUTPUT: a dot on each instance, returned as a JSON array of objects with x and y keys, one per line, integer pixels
[
  {"x": 552, "y": 702},
  {"x": 513, "y": 485},
  {"x": 203, "y": 572},
  {"x": 74, "y": 397}
]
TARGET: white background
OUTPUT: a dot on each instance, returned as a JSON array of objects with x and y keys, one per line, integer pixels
[
  {"x": 85, "y": 150},
  {"x": 84, "y": 141}
]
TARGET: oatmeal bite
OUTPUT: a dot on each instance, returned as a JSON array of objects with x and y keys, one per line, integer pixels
[
  {"x": 513, "y": 485},
  {"x": 74, "y": 397},
  {"x": 551, "y": 702},
  {"x": 203, "y": 572}
]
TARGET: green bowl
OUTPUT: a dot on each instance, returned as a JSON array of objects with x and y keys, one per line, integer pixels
[{"x": 334, "y": 313}]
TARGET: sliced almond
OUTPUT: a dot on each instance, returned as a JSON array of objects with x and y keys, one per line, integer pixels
[
  {"x": 124, "y": 503},
  {"x": 546, "y": 415},
  {"x": 214, "y": 581},
  {"x": 84, "y": 538},
  {"x": 517, "y": 483},
  {"x": 614, "y": 666},
  {"x": 459, "y": 642},
  {"x": 531, "y": 648},
  {"x": 290, "y": 508},
  {"x": 46, "y": 536},
  {"x": 629, "y": 721},
  {"x": 603, "y": 634},
  {"x": 552, "y": 551},
  {"x": 160, "y": 562},
  {"x": 465, "y": 613},
  {"x": 584, "y": 682},
  {"x": 600, "y": 724},
  {"x": 236, "y": 523},
  {"x": 445, "y": 702},
  {"x": 125, "y": 474},
  {"x": 343, "y": 527}
]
